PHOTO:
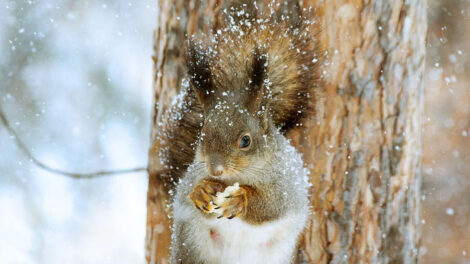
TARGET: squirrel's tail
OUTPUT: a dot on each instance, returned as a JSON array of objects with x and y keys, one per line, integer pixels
[
  {"x": 174, "y": 148},
  {"x": 291, "y": 68}
]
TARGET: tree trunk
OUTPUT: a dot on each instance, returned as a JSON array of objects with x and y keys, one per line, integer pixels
[{"x": 364, "y": 150}]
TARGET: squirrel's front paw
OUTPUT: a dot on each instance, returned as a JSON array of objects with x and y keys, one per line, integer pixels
[
  {"x": 204, "y": 194},
  {"x": 231, "y": 203}
]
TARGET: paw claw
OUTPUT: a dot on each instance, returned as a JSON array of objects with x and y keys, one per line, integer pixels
[
  {"x": 204, "y": 194},
  {"x": 233, "y": 204}
]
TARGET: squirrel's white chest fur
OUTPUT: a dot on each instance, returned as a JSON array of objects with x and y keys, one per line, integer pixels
[
  {"x": 198, "y": 238},
  {"x": 237, "y": 242}
]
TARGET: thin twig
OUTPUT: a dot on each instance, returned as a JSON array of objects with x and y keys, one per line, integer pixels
[{"x": 43, "y": 166}]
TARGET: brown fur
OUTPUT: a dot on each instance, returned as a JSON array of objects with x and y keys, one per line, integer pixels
[
  {"x": 291, "y": 73},
  {"x": 275, "y": 51},
  {"x": 176, "y": 140},
  {"x": 253, "y": 205}
]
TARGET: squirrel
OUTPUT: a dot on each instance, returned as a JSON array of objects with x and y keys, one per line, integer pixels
[
  {"x": 296, "y": 79},
  {"x": 243, "y": 193}
]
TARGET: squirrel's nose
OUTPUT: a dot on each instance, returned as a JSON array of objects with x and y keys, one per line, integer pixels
[
  {"x": 215, "y": 164},
  {"x": 216, "y": 170}
]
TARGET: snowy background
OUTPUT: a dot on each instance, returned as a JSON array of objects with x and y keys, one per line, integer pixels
[
  {"x": 446, "y": 163},
  {"x": 75, "y": 83}
]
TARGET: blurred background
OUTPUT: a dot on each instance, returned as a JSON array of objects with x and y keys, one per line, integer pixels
[
  {"x": 446, "y": 160},
  {"x": 75, "y": 83}
]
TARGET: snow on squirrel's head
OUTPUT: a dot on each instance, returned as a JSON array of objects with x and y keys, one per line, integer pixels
[
  {"x": 237, "y": 125},
  {"x": 250, "y": 81}
]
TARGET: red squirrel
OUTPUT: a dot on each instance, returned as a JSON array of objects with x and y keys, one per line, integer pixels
[
  {"x": 244, "y": 198},
  {"x": 240, "y": 189}
]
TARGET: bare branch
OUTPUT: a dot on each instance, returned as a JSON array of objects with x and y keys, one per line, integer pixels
[{"x": 43, "y": 166}]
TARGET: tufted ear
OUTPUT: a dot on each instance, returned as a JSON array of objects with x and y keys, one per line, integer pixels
[
  {"x": 200, "y": 77},
  {"x": 257, "y": 101},
  {"x": 257, "y": 96}
]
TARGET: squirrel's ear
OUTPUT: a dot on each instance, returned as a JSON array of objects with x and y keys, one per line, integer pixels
[
  {"x": 200, "y": 77},
  {"x": 256, "y": 99}
]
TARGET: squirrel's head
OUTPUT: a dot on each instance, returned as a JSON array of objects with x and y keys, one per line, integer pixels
[{"x": 237, "y": 125}]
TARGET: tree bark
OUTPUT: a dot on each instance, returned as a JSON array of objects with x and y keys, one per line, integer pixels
[{"x": 363, "y": 151}]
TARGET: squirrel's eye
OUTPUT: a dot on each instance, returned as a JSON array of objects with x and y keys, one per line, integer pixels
[{"x": 245, "y": 142}]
